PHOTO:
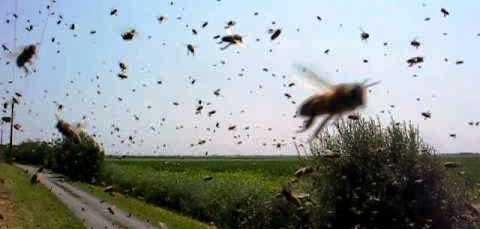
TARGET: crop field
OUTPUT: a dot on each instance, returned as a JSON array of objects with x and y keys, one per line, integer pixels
[{"x": 215, "y": 189}]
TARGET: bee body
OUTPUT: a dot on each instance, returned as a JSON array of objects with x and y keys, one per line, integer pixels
[{"x": 341, "y": 98}]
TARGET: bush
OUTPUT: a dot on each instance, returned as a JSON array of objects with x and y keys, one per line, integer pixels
[
  {"x": 32, "y": 152},
  {"x": 78, "y": 160},
  {"x": 369, "y": 176}
]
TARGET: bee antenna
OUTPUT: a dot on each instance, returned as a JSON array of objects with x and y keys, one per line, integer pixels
[{"x": 372, "y": 84}]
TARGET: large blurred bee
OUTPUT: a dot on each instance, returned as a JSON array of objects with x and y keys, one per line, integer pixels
[
  {"x": 334, "y": 102},
  {"x": 69, "y": 131}
]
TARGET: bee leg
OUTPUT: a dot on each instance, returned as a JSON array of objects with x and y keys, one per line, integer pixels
[
  {"x": 321, "y": 126},
  {"x": 226, "y": 46},
  {"x": 307, "y": 124}
]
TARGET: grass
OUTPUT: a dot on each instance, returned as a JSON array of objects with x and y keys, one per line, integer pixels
[
  {"x": 35, "y": 206},
  {"x": 470, "y": 166},
  {"x": 142, "y": 210}
]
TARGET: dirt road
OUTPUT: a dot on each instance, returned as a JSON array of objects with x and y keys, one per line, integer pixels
[{"x": 93, "y": 212}]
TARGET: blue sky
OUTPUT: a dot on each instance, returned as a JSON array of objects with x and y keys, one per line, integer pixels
[{"x": 255, "y": 99}]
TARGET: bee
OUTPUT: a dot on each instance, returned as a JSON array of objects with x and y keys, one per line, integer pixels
[
  {"x": 415, "y": 43},
  {"x": 304, "y": 171},
  {"x": 414, "y": 60},
  {"x": 231, "y": 39},
  {"x": 26, "y": 57},
  {"x": 68, "y": 131},
  {"x": 191, "y": 49},
  {"x": 337, "y": 100},
  {"x": 123, "y": 66},
  {"x": 427, "y": 114},
  {"x": 5, "y": 48},
  {"x": 444, "y": 12},
  {"x": 161, "y": 19},
  {"x": 17, "y": 126},
  {"x": 113, "y": 12},
  {"x": 230, "y": 24},
  {"x": 364, "y": 35},
  {"x": 128, "y": 36},
  {"x": 275, "y": 34},
  {"x": 122, "y": 76}
]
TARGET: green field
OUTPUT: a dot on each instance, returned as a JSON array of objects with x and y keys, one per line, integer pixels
[
  {"x": 235, "y": 183},
  {"x": 222, "y": 190}
]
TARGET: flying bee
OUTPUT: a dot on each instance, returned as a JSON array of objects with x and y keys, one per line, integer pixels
[
  {"x": 113, "y": 12},
  {"x": 444, "y": 12},
  {"x": 275, "y": 34},
  {"x": 128, "y": 36},
  {"x": 191, "y": 49},
  {"x": 230, "y": 24},
  {"x": 415, "y": 43},
  {"x": 364, "y": 35},
  {"x": 415, "y": 60},
  {"x": 26, "y": 57},
  {"x": 68, "y": 130},
  {"x": 231, "y": 39},
  {"x": 336, "y": 101},
  {"x": 122, "y": 76},
  {"x": 123, "y": 66}
]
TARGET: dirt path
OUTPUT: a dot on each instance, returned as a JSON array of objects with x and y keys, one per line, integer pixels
[{"x": 93, "y": 212}]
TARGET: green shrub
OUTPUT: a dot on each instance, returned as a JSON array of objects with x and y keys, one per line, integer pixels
[
  {"x": 369, "y": 176},
  {"x": 78, "y": 160},
  {"x": 32, "y": 152}
]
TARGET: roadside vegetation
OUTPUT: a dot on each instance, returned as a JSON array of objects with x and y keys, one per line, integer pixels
[
  {"x": 359, "y": 174},
  {"x": 147, "y": 212},
  {"x": 34, "y": 205}
]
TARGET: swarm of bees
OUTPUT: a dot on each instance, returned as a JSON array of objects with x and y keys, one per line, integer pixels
[{"x": 334, "y": 102}]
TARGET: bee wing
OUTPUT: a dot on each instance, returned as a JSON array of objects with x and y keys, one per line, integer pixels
[
  {"x": 240, "y": 44},
  {"x": 310, "y": 79},
  {"x": 229, "y": 30},
  {"x": 79, "y": 126}
]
